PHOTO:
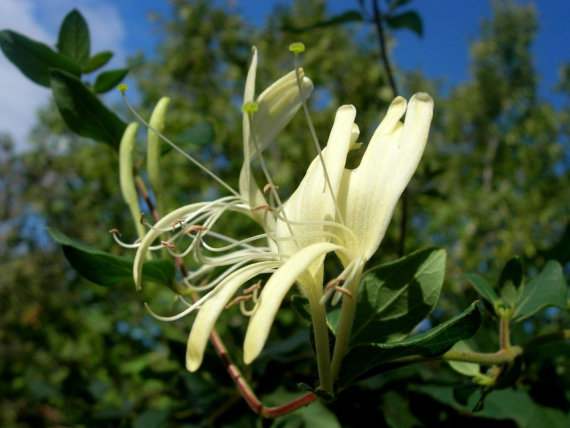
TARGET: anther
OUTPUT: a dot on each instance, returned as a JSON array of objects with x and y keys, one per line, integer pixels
[
  {"x": 250, "y": 107},
  {"x": 142, "y": 220},
  {"x": 238, "y": 299},
  {"x": 333, "y": 283},
  {"x": 176, "y": 223},
  {"x": 193, "y": 228},
  {"x": 262, "y": 207},
  {"x": 123, "y": 87},
  {"x": 115, "y": 231},
  {"x": 168, "y": 244},
  {"x": 268, "y": 187},
  {"x": 343, "y": 291},
  {"x": 251, "y": 289}
]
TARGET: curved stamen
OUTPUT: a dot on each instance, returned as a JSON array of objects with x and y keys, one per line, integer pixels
[{"x": 178, "y": 149}]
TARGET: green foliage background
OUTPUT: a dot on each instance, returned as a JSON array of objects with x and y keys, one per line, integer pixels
[{"x": 494, "y": 182}]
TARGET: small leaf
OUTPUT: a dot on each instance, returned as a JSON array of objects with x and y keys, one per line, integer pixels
[
  {"x": 97, "y": 61},
  {"x": 109, "y": 80},
  {"x": 83, "y": 112},
  {"x": 34, "y": 59},
  {"x": 73, "y": 40},
  {"x": 511, "y": 281},
  {"x": 397, "y": 296},
  {"x": 108, "y": 269},
  {"x": 343, "y": 18},
  {"x": 368, "y": 358},
  {"x": 483, "y": 287},
  {"x": 410, "y": 20},
  {"x": 547, "y": 289}
]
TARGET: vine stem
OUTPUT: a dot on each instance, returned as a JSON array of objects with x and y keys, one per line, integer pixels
[{"x": 235, "y": 373}]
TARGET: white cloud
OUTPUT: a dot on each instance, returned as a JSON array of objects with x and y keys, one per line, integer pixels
[{"x": 40, "y": 20}]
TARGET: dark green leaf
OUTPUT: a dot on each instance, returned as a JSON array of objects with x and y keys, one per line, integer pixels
[
  {"x": 482, "y": 286},
  {"x": 83, "y": 112},
  {"x": 397, "y": 296},
  {"x": 97, "y": 61},
  {"x": 34, "y": 59},
  {"x": 410, "y": 20},
  {"x": 108, "y": 269},
  {"x": 365, "y": 358},
  {"x": 73, "y": 40},
  {"x": 200, "y": 134},
  {"x": 343, "y": 18},
  {"x": 109, "y": 80},
  {"x": 511, "y": 281},
  {"x": 547, "y": 289}
]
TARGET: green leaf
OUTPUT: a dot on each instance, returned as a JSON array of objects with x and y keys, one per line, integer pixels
[
  {"x": 109, "y": 80},
  {"x": 397, "y": 296},
  {"x": 73, "y": 40},
  {"x": 511, "y": 281},
  {"x": 97, "y": 61},
  {"x": 368, "y": 358},
  {"x": 200, "y": 134},
  {"x": 465, "y": 368},
  {"x": 547, "y": 289},
  {"x": 410, "y": 20},
  {"x": 343, "y": 18},
  {"x": 83, "y": 112},
  {"x": 108, "y": 269},
  {"x": 34, "y": 59},
  {"x": 483, "y": 287}
]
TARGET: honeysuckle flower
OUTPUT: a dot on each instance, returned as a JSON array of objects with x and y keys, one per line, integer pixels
[
  {"x": 242, "y": 259},
  {"x": 359, "y": 203}
]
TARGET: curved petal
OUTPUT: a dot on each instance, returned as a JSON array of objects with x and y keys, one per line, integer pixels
[
  {"x": 273, "y": 294},
  {"x": 312, "y": 200},
  {"x": 369, "y": 193},
  {"x": 213, "y": 307}
]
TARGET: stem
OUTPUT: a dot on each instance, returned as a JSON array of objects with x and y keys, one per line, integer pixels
[
  {"x": 345, "y": 322},
  {"x": 320, "y": 329},
  {"x": 505, "y": 334}
]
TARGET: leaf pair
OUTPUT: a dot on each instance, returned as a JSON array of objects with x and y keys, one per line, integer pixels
[{"x": 518, "y": 299}]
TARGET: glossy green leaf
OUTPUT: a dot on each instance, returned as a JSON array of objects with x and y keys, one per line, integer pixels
[
  {"x": 34, "y": 59},
  {"x": 108, "y": 269},
  {"x": 511, "y": 281},
  {"x": 395, "y": 297},
  {"x": 547, "y": 289},
  {"x": 73, "y": 40},
  {"x": 342, "y": 18},
  {"x": 97, "y": 61},
  {"x": 83, "y": 112},
  {"x": 482, "y": 286},
  {"x": 410, "y": 20},
  {"x": 367, "y": 358},
  {"x": 109, "y": 80}
]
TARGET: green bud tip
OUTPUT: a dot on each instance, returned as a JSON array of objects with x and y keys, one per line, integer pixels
[
  {"x": 297, "y": 48},
  {"x": 250, "y": 107},
  {"x": 123, "y": 87}
]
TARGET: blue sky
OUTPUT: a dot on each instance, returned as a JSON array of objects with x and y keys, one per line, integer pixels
[{"x": 123, "y": 26}]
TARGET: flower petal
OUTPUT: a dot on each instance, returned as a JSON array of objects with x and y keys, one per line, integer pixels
[
  {"x": 273, "y": 294},
  {"x": 369, "y": 193},
  {"x": 213, "y": 307}
]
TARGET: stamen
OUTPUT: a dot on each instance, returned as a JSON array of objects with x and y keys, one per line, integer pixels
[
  {"x": 115, "y": 231},
  {"x": 253, "y": 288},
  {"x": 174, "y": 146},
  {"x": 343, "y": 291},
  {"x": 142, "y": 220},
  {"x": 262, "y": 207},
  {"x": 168, "y": 245},
  {"x": 177, "y": 222},
  {"x": 333, "y": 283},
  {"x": 238, "y": 300},
  {"x": 268, "y": 187},
  {"x": 296, "y": 48},
  {"x": 193, "y": 228}
]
